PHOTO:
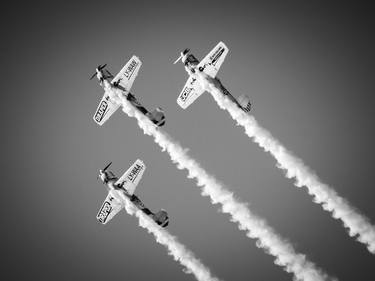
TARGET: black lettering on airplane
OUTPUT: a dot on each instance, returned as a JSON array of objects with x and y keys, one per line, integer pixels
[
  {"x": 102, "y": 110},
  {"x": 185, "y": 93},
  {"x": 217, "y": 55},
  {"x": 130, "y": 70},
  {"x": 134, "y": 172},
  {"x": 104, "y": 212}
]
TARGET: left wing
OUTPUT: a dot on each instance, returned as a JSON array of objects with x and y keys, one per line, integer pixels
[
  {"x": 212, "y": 62},
  {"x": 109, "y": 209},
  {"x": 105, "y": 109},
  {"x": 192, "y": 90},
  {"x": 130, "y": 179},
  {"x": 127, "y": 74}
]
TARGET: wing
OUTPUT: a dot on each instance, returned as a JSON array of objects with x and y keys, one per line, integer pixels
[
  {"x": 130, "y": 179},
  {"x": 192, "y": 90},
  {"x": 212, "y": 62},
  {"x": 109, "y": 209},
  {"x": 127, "y": 74},
  {"x": 105, "y": 109}
]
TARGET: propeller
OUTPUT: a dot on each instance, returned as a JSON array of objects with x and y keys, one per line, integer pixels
[
  {"x": 100, "y": 67},
  {"x": 177, "y": 60},
  {"x": 106, "y": 167},
  {"x": 181, "y": 56}
]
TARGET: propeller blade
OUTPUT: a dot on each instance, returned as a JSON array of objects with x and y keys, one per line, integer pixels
[
  {"x": 109, "y": 73},
  {"x": 177, "y": 60},
  {"x": 106, "y": 167},
  {"x": 182, "y": 55},
  {"x": 93, "y": 76},
  {"x": 185, "y": 51},
  {"x": 100, "y": 67}
]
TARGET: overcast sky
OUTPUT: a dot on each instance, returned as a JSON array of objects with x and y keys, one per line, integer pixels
[{"x": 308, "y": 70}]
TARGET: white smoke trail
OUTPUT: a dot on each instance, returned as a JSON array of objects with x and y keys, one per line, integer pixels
[
  {"x": 294, "y": 167},
  {"x": 254, "y": 226},
  {"x": 175, "y": 248}
]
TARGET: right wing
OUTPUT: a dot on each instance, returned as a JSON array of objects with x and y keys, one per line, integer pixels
[
  {"x": 109, "y": 209},
  {"x": 130, "y": 179},
  {"x": 127, "y": 74},
  {"x": 192, "y": 90},
  {"x": 105, "y": 109},
  {"x": 212, "y": 62}
]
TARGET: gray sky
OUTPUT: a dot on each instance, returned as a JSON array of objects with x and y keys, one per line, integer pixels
[{"x": 308, "y": 69}]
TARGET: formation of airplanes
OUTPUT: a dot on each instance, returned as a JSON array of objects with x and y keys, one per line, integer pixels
[
  {"x": 125, "y": 186},
  {"x": 123, "y": 81}
]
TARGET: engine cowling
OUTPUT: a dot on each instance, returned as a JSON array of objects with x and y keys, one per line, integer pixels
[
  {"x": 245, "y": 103},
  {"x": 161, "y": 218}
]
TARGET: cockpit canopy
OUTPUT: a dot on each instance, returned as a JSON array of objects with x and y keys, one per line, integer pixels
[{"x": 190, "y": 59}]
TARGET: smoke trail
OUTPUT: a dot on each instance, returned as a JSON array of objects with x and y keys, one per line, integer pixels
[
  {"x": 255, "y": 227},
  {"x": 175, "y": 248},
  {"x": 295, "y": 168}
]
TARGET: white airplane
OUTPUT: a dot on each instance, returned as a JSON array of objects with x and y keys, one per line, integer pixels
[
  {"x": 125, "y": 186},
  {"x": 123, "y": 81},
  {"x": 210, "y": 65}
]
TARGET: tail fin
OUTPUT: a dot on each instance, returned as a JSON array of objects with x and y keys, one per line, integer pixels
[
  {"x": 161, "y": 218},
  {"x": 157, "y": 117},
  {"x": 245, "y": 103}
]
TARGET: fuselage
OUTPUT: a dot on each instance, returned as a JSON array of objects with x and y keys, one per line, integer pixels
[
  {"x": 191, "y": 66},
  {"x": 130, "y": 97},
  {"x": 119, "y": 191},
  {"x": 116, "y": 190}
]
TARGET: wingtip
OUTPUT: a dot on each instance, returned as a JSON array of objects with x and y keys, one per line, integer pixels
[{"x": 141, "y": 161}]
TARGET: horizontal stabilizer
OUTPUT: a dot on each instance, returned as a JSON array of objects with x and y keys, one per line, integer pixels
[
  {"x": 161, "y": 218},
  {"x": 157, "y": 117},
  {"x": 245, "y": 103}
]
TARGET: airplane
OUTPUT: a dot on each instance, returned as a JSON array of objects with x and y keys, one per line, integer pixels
[
  {"x": 122, "y": 81},
  {"x": 125, "y": 186},
  {"x": 210, "y": 65}
]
